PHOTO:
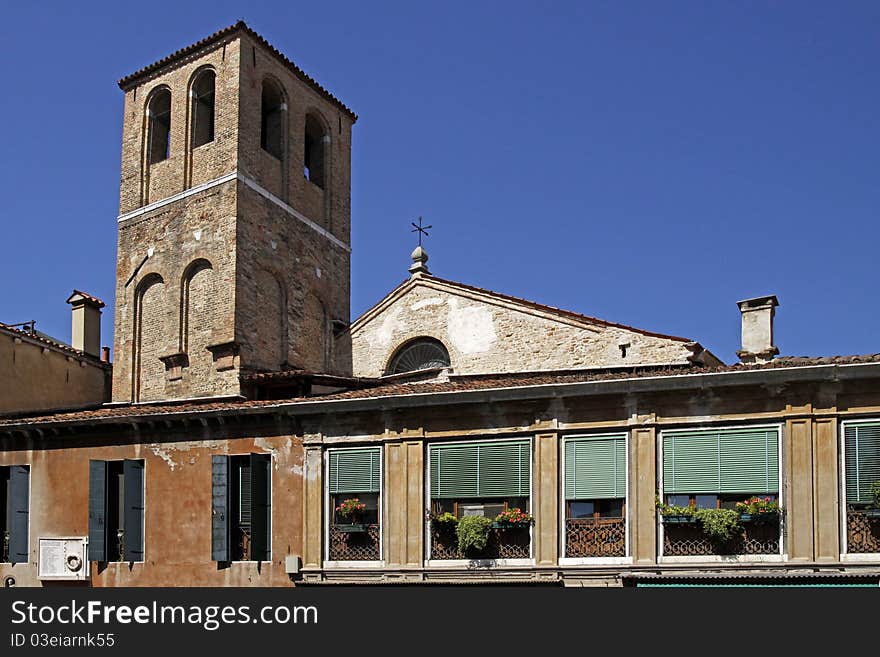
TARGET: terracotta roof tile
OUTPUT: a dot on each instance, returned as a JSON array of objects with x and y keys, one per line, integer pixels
[
  {"x": 51, "y": 342},
  {"x": 453, "y": 384},
  {"x": 88, "y": 297},
  {"x": 128, "y": 81}
]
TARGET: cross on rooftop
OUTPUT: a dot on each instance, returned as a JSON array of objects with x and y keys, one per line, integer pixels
[{"x": 421, "y": 230}]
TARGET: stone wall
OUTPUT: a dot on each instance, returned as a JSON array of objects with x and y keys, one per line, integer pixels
[{"x": 486, "y": 334}]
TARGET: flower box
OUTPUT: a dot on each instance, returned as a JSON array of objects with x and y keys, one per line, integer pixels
[
  {"x": 870, "y": 513},
  {"x": 759, "y": 517},
  {"x": 510, "y": 525},
  {"x": 351, "y": 529},
  {"x": 678, "y": 520}
]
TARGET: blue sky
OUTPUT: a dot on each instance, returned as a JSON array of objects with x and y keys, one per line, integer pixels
[{"x": 647, "y": 163}]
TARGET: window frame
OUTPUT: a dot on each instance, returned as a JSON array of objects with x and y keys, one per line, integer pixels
[
  {"x": 8, "y": 500},
  {"x": 283, "y": 118},
  {"x": 328, "y": 510},
  {"x": 193, "y": 104},
  {"x": 122, "y": 559},
  {"x": 842, "y": 505},
  {"x": 779, "y": 427},
  {"x": 447, "y": 563},
  {"x": 229, "y": 507},
  {"x": 626, "y": 434},
  {"x": 148, "y": 112}
]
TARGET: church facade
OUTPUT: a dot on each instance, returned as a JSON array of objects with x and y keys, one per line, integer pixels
[{"x": 451, "y": 434}]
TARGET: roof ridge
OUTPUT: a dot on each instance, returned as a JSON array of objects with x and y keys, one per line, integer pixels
[{"x": 125, "y": 82}]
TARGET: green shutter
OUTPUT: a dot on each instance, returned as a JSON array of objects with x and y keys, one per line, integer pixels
[
  {"x": 260, "y": 485},
  {"x": 595, "y": 467},
  {"x": 355, "y": 470},
  {"x": 133, "y": 514},
  {"x": 480, "y": 470},
  {"x": 97, "y": 511},
  {"x": 221, "y": 509},
  {"x": 723, "y": 461},
  {"x": 19, "y": 510},
  {"x": 862, "y": 460}
]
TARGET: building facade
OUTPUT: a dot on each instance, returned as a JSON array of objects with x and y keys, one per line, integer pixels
[{"x": 449, "y": 435}]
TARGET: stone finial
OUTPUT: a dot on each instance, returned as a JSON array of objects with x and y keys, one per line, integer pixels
[
  {"x": 420, "y": 262},
  {"x": 757, "y": 329}
]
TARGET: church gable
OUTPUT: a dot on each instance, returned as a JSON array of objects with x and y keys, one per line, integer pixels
[{"x": 485, "y": 332}]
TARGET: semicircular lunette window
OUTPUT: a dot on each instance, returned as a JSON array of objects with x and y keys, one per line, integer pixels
[{"x": 419, "y": 355}]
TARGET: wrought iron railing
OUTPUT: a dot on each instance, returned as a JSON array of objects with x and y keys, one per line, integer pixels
[
  {"x": 512, "y": 543},
  {"x": 354, "y": 542},
  {"x": 688, "y": 539},
  {"x": 120, "y": 544},
  {"x": 862, "y": 532},
  {"x": 595, "y": 537}
]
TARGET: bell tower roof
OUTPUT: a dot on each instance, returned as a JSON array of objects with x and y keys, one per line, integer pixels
[{"x": 132, "y": 80}]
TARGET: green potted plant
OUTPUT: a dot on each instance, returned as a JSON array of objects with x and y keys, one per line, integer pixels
[
  {"x": 672, "y": 514},
  {"x": 351, "y": 510},
  {"x": 473, "y": 534},
  {"x": 720, "y": 525},
  {"x": 513, "y": 519},
  {"x": 758, "y": 509},
  {"x": 873, "y": 510}
]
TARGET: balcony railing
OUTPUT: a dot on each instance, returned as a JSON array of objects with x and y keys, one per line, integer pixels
[
  {"x": 862, "y": 532},
  {"x": 595, "y": 537},
  {"x": 513, "y": 543},
  {"x": 688, "y": 539},
  {"x": 354, "y": 542}
]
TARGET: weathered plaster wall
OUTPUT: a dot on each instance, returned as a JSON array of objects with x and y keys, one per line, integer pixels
[
  {"x": 484, "y": 335},
  {"x": 38, "y": 377}
]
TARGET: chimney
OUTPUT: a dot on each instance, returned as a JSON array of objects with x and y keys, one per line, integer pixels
[
  {"x": 757, "y": 329},
  {"x": 86, "y": 324}
]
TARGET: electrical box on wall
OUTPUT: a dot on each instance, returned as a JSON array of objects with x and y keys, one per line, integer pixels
[{"x": 64, "y": 558}]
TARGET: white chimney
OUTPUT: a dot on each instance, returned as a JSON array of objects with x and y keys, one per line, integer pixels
[
  {"x": 86, "y": 323},
  {"x": 757, "y": 329}
]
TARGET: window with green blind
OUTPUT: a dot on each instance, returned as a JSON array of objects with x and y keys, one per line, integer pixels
[
  {"x": 480, "y": 470},
  {"x": 861, "y": 449},
  {"x": 595, "y": 467},
  {"x": 355, "y": 470},
  {"x": 722, "y": 461}
]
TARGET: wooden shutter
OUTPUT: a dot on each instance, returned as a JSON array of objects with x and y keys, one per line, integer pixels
[
  {"x": 19, "y": 493},
  {"x": 595, "y": 467},
  {"x": 861, "y": 447},
  {"x": 724, "y": 461},
  {"x": 220, "y": 534},
  {"x": 355, "y": 470},
  {"x": 133, "y": 514},
  {"x": 97, "y": 511},
  {"x": 261, "y": 511},
  {"x": 481, "y": 470}
]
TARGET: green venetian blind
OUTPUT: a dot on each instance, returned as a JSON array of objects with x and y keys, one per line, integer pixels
[
  {"x": 484, "y": 469},
  {"x": 723, "y": 461},
  {"x": 355, "y": 470},
  {"x": 595, "y": 467},
  {"x": 861, "y": 450}
]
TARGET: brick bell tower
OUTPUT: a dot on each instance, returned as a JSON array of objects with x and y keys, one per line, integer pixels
[{"x": 234, "y": 222}]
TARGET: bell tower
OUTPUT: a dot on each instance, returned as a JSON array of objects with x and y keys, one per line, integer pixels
[{"x": 234, "y": 222}]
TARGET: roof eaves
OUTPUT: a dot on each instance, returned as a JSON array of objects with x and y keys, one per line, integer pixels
[{"x": 311, "y": 406}]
